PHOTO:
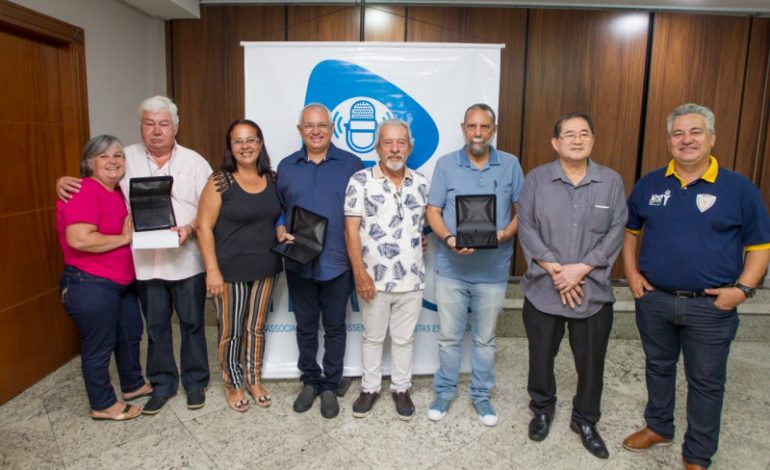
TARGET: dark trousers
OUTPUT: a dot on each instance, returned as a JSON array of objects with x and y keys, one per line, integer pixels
[
  {"x": 588, "y": 339},
  {"x": 159, "y": 299},
  {"x": 703, "y": 333},
  {"x": 106, "y": 315},
  {"x": 326, "y": 301}
]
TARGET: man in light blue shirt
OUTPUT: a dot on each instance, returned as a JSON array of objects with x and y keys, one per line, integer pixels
[{"x": 468, "y": 278}]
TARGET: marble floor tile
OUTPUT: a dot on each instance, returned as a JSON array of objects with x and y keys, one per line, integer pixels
[
  {"x": 48, "y": 425},
  {"x": 172, "y": 447},
  {"x": 81, "y": 435},
  {"x": 323, "y": 452},
  {"x": 240, "y": 440},
  {"x": 29, "y": 444},
  {"x": 474, "y": 456}
]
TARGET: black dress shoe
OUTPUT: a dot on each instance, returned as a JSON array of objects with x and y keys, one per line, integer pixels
[
  {"x": 154, "y": 405},
  {"x": 539, "y": 426},
  {"x": 305, "y": 399},
  {"x": 329, "y": 405},
  {"x": 591, "y": 439},
  {"x": 196, "y": 399}
]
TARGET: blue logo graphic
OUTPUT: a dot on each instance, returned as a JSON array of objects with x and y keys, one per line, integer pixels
[{"x": 359, "y": 100}]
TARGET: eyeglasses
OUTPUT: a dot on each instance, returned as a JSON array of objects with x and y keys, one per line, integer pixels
[
  {"x": 399, "y": 206},
  {"x": 571, "y": 136},
  {"x": 311, "y": 126},
  {"x": 241, "y": 142}
]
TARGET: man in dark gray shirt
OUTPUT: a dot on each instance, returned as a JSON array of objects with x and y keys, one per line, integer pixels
[{"x": 571, "y": 218}]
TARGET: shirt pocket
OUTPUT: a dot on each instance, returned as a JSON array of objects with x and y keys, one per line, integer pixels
[{"x": 600, "y": 216}]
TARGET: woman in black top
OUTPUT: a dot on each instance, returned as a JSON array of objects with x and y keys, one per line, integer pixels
[{"x": 236, "y": 229}]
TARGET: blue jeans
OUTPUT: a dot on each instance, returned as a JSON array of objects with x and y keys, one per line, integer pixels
[
  {"x": 159, "y": 298},
  {"x": 485, "y": 300},
  {"x": 106, "y": 315},
  {"x": 703, "y": 333}
]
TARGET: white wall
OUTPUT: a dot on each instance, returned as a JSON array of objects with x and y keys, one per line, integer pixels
[{"x": 125, "y": 59}]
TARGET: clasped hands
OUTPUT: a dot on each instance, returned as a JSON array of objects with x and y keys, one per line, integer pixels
[{"x": 568, "y": 280}]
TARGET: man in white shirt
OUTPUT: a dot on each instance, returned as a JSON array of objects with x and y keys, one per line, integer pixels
[{"x": 169, "y": 279}]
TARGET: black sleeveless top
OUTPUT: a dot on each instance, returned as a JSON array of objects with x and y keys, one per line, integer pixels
[{"x": 245, "y": 231}]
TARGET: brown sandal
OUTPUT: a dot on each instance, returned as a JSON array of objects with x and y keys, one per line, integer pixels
[
  {"x": 123, "y": 416},
  {"x": 239, "y": 405},
  {"x": 263, "y": 401}
]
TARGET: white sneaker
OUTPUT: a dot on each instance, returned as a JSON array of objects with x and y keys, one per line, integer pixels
[
  {"x": 486, "y": 412},
  {"x": 438, "y": 408}
]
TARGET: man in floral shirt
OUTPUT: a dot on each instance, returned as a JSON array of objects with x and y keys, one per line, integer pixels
[{"x": 384, "y": 217}]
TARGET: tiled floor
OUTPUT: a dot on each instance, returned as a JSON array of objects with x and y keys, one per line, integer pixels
[{"x": 48, "y": 426}]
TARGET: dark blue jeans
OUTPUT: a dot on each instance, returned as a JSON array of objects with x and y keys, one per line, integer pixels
[
  {"x": 106, "y": 315},
  {"x": 703, "y": 333},
  {"x": 326, "y": 301},
  {"x": 159, "y": 298}
]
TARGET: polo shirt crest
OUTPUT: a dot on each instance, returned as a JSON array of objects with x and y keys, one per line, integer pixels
[{"x": 705, "y": 201}]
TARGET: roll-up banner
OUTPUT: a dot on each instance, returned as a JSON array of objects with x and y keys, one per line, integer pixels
[{"x": 428, "y": 85}]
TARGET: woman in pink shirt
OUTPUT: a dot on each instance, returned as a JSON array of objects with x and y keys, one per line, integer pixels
[{"x": 97, "y": 287}]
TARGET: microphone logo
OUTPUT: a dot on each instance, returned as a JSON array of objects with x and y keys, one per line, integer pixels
[
  {"x": 361, "y": 127},
  {"x": 356, "y": 121}
]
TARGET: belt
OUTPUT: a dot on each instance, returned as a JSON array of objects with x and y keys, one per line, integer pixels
[{"x": 686, "y": 294}]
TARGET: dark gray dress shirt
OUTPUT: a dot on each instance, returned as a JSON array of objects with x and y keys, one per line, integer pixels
[{"x": 563, "y": 223}]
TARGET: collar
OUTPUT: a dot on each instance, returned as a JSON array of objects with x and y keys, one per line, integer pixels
[
  {"x": 377, "y": 172},
  {"x": 592, "y": 175},
  {"x": 463, "y": 160},
  {"x": 148, "y": 155},
  {"x": 710, "y": 176},
  {"x": 332, "y": 153}
]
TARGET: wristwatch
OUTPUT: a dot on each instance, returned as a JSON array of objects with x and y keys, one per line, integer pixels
[
  {"x": 747, "y": 291},
  {"x": 446, "y": 239}
]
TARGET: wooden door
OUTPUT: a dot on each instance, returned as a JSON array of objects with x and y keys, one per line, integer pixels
[{"x": 43, "y": 125}]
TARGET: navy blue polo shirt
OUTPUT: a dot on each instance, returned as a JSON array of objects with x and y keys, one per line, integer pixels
[
  {"x": 319, "y": 188},
  {"x": 695, "y": 235}
]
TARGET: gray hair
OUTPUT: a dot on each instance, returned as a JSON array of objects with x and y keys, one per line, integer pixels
[
  {"x": 317, "y": 106},
  {"x": 95, "y": 147},
  {"x": 482, "y": 107},
  {"x": 159, "y": 104},
  {"x": 691, "y": 108},
  {"x": 394, "y": 122}
]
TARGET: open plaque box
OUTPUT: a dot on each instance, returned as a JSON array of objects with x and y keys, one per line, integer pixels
[
  {"x": 476, "y": 221},
  {"x": 309, "y": 230},
  {"x": 152, "y": 212}
]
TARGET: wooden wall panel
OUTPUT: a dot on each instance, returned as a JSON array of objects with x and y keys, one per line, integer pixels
[
  {"x": 701, "y": 59},
  {"x": 32, "y": 259},
  {"x": 323, "y": 23},
  {"x": 385, "y": 23},
  {"x": 483, "y": 25},
  {"x": 43, "y": 126},
  {"x": 208, "y": 70},
  {"x": 28, "y": 143},
  {"x": 591, "y": 61},
  {"x": 764, "y": 168},
  {"x": 36, "y": 338},
  {"x": 756, "y": 101}
]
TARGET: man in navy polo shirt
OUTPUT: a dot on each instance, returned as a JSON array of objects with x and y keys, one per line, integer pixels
[
  {"x": 468, "y": 278},
  {"x": 315, "y": 178},
  {"x": 706, "y": 245}
]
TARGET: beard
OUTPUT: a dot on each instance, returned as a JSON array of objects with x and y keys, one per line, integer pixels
[
  {"x": 478, "y": 148},
  {"x": 396, "y": 165}
]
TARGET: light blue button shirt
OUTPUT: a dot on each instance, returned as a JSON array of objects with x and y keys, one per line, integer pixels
[{"x": 453, "y": 176}]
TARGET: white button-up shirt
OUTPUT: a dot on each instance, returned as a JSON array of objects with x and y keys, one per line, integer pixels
[
  {"x": 391, "y": 226},
  {"x": 190, "y": 172}
]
